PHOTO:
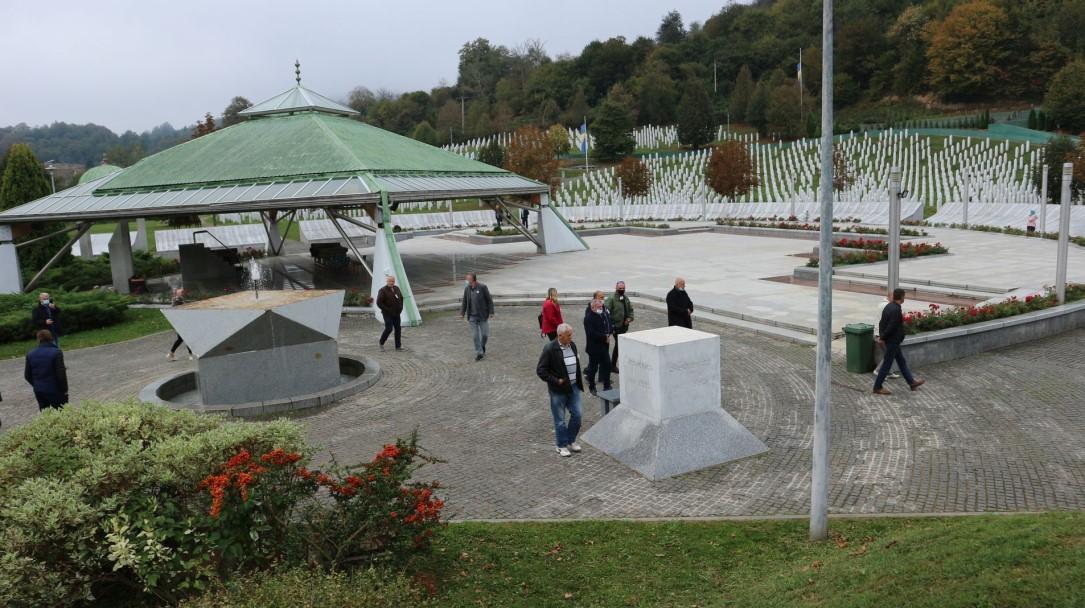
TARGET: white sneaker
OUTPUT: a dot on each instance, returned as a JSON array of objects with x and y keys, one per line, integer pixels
[
  {"x": 564, "y": 452},
  {"x": 574, "y": 447},
  {"x": 171, "y": 357},
  {"x": 190, "y": 357}
]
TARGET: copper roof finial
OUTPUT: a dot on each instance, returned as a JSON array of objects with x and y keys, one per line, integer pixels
[{"x": 297, "y": 70}]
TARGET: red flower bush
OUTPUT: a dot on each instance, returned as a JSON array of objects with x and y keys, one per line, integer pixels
[{"x": 334, "y": 517}]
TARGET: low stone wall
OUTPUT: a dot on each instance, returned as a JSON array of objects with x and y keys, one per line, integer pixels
[{"x": 958, "y": 342}]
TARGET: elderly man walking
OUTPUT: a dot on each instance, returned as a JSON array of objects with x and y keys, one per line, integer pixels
[
  {"x": 621, "y": 315},
  {"x": 477, "y": 306},
  {"x": 597, "y": 330},
  {"x": 390, "y": 303},
  {"x": 559, "y": 368},
  {"x": 45, "y": 372},
  {"x": 679, "y": 306}
]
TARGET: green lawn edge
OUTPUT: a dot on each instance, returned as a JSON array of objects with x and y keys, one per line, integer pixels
[{"x": 1003, "y": 560}]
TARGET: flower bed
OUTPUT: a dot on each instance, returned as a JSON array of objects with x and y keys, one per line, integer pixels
[
  {"x": 877, "y": 251},
  {"x": 938, "y": 317},
  {"x": 791, "y": 223}
]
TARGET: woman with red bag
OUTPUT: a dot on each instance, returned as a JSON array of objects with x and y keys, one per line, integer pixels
[{"x": 551, "y": 315}]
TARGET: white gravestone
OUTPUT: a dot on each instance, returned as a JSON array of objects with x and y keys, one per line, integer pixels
[{"x": 670, "y": 420}]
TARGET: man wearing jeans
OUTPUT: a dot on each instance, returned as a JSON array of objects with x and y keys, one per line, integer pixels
[
  {"x": 891, "y": 334},
  {"x": 477, "y": 306},
  {"x": 559, "y": 367}
]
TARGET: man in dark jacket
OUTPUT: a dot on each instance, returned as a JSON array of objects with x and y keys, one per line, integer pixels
[
  {"x": 559, "y": 368},
  {"x": 621, "y": 315},
  {"x": 46, "y": 315},
  {"x": 597, "y": 330},
  {"x": 390, "y": 303},
  {"x": 891, "y": 334},
  {"x": 679, "y": 306},
  {"x": 477, "y": 306},
  {"x": 46, "y": 373}
]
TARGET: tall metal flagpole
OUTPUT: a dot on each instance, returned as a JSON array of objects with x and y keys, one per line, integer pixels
[{"x": 819, "y": 484}]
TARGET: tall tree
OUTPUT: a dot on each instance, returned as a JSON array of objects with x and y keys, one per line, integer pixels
[
  {"x": 759, "y": 103},
  {"x": 906, "y": 35},
  {"x": 204, "y": 127},
  {"x": 230, "y": 114},
  {"x": 633, "y": 176},
  {"x": 492, "y": 154},
  {"x": 613, "y": 126},
  {"x": 424, "y": 133},
  {"x": 1059, "y": 150},
  {"x": 531, "y": 153},
  {"x": 1065, "y": 99},
  {"x": 731, "y": 170},
  {"x": 784, "y": 114},
  {"x": 655, "y": 92},
  {"x": 482, "y": 65},
  {"x": 23, "y": 181},
  {"x": 970, "y": 51},
  {"x": 740, "y": 94},
  {"x": 671, "y": 30},
  {"x": 696, "y": 124}
]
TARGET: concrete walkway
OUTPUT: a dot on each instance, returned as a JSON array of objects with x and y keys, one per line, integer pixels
[{"x": 1003, "y": 431}]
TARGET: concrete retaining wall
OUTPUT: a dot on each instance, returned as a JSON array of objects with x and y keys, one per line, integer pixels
[{"x": 968, "y": 340}]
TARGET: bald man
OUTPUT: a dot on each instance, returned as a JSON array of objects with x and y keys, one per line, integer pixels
[{"x": 679, "y": 306}]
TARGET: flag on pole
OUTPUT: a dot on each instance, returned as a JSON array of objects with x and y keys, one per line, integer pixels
[
  {"x": 799, "y": 69},
  {"x": 582, "y": 137}
]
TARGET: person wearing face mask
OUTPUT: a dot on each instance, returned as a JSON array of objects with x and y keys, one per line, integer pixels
[
  {"x": 679, "y": 306},
  {"x": 621, "y": 315},
  {"x": 46, "y": 315},
  {"x": 597, "y": 331},
  {"x": 477, "y": 307}
]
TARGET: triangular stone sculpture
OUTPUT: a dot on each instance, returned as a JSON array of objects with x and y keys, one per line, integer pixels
[{"x": 670, "y": 420}]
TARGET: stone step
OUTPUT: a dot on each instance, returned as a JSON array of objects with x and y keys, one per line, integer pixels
[
  {"x": 955, "y": 289},
  {"x": 767, "y": 327}
]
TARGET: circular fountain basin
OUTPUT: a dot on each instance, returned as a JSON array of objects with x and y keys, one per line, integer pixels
[{"x": 181, "y": 391}]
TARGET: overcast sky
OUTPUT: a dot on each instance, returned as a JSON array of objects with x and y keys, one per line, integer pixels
[{"x": 136, "y": 64}]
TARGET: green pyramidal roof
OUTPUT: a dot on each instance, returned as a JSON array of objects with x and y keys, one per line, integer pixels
[
  {"x": 306, "y": 144},
  {"x": 95, "y": 172},
  {"x": 297, "y": 99}
]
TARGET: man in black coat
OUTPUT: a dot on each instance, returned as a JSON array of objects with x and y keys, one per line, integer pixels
[
  {"x": 679, "y": 306},
  {"x": 597, "y": 330},
  {"x": 45, "y": 371},
  {"x": 390, "y": 303},
  {"x": 46, "y": 315},
  {"x": 891, "y": 334},
  {"x": 559, "y": 368}
]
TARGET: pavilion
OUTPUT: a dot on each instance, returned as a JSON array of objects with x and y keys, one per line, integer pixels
[{"x": 297, "y": 150}]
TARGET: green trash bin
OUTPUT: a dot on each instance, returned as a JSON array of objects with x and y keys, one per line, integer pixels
[{"x": 860, "y": 347}]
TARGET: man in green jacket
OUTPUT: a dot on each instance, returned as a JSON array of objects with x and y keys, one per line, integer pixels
[{"x": 621, "y": 316}]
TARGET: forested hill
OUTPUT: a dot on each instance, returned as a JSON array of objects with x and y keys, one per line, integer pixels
[{"x": 894, "y": 59}]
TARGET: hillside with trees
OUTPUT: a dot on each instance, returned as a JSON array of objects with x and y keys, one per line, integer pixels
[{"x": 895, "y": 60}]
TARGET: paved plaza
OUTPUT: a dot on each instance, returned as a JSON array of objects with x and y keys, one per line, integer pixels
[{"x": 1003, "y": 431}]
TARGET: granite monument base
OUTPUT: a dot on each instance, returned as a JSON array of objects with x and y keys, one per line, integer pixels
[{"x": 670, "y": 420}]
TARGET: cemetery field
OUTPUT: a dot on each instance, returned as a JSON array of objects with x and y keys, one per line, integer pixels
[
  {"x": 1019, "y": 560},
  {"x": 139, "y": 322}
]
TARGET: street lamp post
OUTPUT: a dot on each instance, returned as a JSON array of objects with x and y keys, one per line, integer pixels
[
  {"x": 819, "y": 482},
  {"x": 50, "y": 167},
  {"x": 1064, "y": 232}
]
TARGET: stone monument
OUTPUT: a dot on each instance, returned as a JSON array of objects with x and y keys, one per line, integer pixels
[
  {"x": 670, "y": 420},
  {"x": 253, "y": 347}
]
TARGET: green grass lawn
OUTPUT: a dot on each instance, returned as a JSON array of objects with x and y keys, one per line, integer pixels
[
  {"x": 1021, "y": 560},
  {"x": 139, "y": 322}
]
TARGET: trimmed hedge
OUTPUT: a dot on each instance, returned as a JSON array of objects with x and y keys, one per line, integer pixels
[
  {"x": 78, "y": 311},
  {"x": 81, "y": 274}
]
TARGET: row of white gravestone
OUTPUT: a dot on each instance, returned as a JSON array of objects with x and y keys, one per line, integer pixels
[{"x": 996, "y": 172}]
